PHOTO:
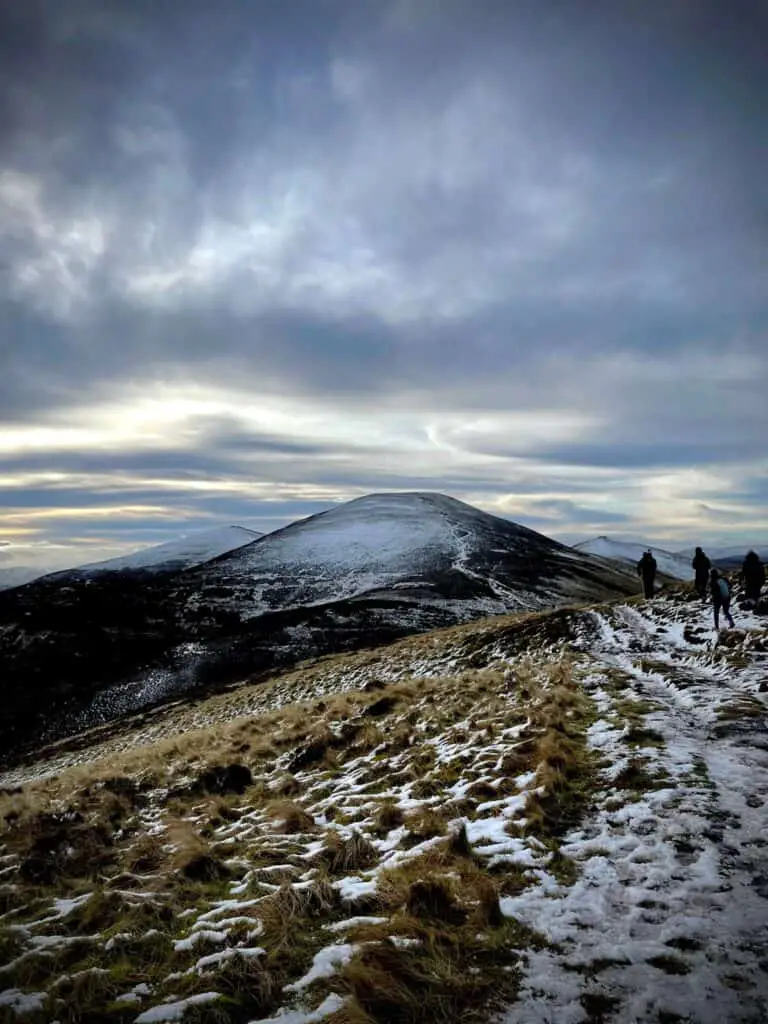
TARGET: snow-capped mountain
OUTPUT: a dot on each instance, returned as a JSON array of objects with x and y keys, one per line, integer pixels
[
  {"x": 189, "y": 550},
  {"x": 18, "y": 575},
  {"x": 419, "y": 544},
  {"x": 677, "y": 565},
  {"x": 100, "y": 644}
]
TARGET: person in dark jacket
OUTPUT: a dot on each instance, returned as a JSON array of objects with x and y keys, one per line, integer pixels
[
  {"x": 701, "y": 566},
  {"x": 721, "y": 597},
  {"x": 753, "y": 575},
  {"x": 646, "y": 568}
]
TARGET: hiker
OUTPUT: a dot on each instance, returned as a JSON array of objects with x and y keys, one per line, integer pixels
[
  {"x": 721, "y": 597},
  {"x": 753, "y": 575},
  {"x": 646, "y": 568},
  {"x": 701, "y": 566}
]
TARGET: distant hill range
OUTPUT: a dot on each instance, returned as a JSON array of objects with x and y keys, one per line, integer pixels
[
  {"x": 729, "y": 557},
  {"x": 671, "y": 564},
  {"x": 676, "y": 564},
  {"x": 173, "y": 556},
  {"x": 84, "y": 647},
  {"x": 18, "y": 575}
]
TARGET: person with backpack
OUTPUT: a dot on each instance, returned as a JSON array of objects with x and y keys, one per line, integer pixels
[
  {"x": 701, "y": 566},
  {"x": 753, "y": 575},
  {"x": 646, "y": 568},
  {"x": 721, "y": 597}
]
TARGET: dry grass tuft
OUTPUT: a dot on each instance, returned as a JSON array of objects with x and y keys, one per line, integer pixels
[
  {"x": 458, "y": 843},
  {"x": 388, "y": 817},
  {"x": 426, "y": 823},
  {"x": 488, "y": 910},
  {"x": 294, "y": 820},
  {"x": 341, "y": 855},
  {"x": 434, "y": 900},
  {"x": 286, "y": 786},
  {"x": 280, "y": 911},
  {"x": 566, "y": 767}
]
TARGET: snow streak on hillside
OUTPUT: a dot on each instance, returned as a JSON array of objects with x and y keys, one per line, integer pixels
[{"x": 676, "y": 565}]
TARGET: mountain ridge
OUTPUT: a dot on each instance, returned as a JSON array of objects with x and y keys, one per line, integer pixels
[
  {"x": 368, "y": 571},
  {"x": 669, "y": 563}
]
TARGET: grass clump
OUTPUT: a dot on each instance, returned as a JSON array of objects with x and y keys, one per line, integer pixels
[
  {"x": 343, "y": 856},
  {"x": 566, "y": 772},
  {"x": 636, "y": 778},
  {"x": 388, "y": 816},
  {"x": 292, "y": 817}
]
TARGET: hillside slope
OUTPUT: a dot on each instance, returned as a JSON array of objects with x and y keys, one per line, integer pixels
[
  {"x": 362, "y": 574},
  {"x": 540, "y": 817},
  {"x": 18, "y": 575},
  {"x": 173, "y": 556},
  {"x": 678, "y": 566},
  {"x": 411, "y": 543}
]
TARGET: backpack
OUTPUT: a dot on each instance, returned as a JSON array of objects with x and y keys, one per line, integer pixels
[{"x": 723, "y": 585}]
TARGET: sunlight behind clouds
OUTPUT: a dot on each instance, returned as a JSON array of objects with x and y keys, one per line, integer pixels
[{"x": 507, "y": 253}]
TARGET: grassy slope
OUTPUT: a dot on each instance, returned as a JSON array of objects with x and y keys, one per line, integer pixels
[{"x": 397, "y": 800}]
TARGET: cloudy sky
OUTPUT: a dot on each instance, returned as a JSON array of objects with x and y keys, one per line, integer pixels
[{"x": 257, "y": 258}]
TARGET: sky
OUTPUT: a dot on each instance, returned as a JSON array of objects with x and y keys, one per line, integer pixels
[{"x": 258, "y": 258}]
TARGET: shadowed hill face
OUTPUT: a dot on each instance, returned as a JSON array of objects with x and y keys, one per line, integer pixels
[
  {"x": 363, "y": 574},
  {"x": 407, "y": 541}
]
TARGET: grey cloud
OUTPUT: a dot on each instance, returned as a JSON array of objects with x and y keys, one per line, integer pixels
[
  {"x": 480, "y": 202},
  {"x": 544, "y": 511}
]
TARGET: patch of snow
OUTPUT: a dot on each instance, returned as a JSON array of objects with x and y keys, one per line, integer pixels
[
  {"x": 354, "y": 922},
  {"x": 331, "y": 1004},
  {"x": 225, "y": 954},
  {"x": 403, "y": 942},
  {"x": 175, "y": 1011},
  {"x": 181, "y": 945},
  {"x": 22, "y": 1002},
  {"x": 324, "y": 965},
  {"x": 352, "y": 888}
]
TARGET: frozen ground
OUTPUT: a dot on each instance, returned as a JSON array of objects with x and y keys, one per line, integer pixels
[
  {"x": 636, "y": 893},
  {"x": 669, "y": 918}
]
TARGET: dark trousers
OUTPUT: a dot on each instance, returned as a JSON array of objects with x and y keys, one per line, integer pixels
[
  {"x": 726, "y": 607},
  {"x": 702, "y": 579},
  {"x": 648, "y": 586}
]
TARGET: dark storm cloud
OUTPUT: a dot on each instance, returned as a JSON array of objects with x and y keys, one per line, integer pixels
[{"x": 485, "y": 204}]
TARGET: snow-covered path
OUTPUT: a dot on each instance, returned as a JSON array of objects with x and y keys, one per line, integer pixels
[{"x": 668, "y": 920}]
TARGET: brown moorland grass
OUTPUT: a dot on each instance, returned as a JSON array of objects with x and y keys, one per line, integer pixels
[{"x": 446, "y": 899}]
